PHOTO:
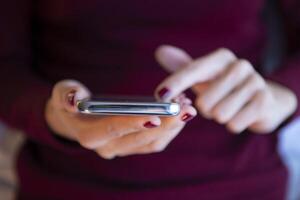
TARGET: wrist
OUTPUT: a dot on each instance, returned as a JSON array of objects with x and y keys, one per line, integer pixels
[{"x": 285, "y": 102}]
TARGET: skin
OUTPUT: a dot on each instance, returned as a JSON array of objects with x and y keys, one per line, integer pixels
[
  {"x": 111, "y": 136},
  {"x": 228, "y": 91}
]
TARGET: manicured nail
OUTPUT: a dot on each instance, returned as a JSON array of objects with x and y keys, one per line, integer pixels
[
  {"x": 71, "y": 98},
  {"x": 187, "y": 117},
  {"x": 163, "y": 93},
  {"x": 150, "y": 125}
]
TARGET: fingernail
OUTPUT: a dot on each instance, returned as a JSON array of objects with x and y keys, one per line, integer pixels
[
  {"x": 71, "y": 97},
  {"x": 150, "y": 125},
  {"x": 187, "y": 117},
  {"x": 163, "y": 93}
]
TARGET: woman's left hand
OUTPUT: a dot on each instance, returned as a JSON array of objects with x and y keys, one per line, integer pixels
[{"x": 228, "y": 89}]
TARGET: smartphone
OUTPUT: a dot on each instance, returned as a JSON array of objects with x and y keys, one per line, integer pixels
[{"x": 127, "y": 106}]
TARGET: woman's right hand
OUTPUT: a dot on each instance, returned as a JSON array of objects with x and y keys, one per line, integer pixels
[{"x": 111, "y": 136}]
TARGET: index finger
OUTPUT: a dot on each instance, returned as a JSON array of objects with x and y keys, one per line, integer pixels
[{"x": 199, "y": 70}]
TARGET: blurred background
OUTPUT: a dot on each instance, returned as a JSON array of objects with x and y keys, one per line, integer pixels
[{"x": 11, "y": 140}]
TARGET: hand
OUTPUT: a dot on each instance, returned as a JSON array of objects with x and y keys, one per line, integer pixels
[
  {"x": 228, "y": 89},
  {"x": 111, "y": 136}
]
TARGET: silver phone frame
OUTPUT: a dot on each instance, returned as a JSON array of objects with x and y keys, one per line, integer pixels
[{"x": 94, "y": 107}]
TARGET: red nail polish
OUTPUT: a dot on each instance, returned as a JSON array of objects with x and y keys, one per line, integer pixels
[
  {"x": 71, "y": 98},
  {"x": 150, "y": 125},
  {"x": 187, "y": 117},
  {"x": 163, "y": 92}
]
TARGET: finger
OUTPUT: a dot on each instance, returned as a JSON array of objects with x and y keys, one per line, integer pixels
[
  {"x": 66, "y": 93},
  {"x": 155, "y": 146},
  {"x": 182, "y": 99},
  {"x": 172, "y": 58},
  {"x": 187, "y": 113},
  {"x": 249, "y": 114},
  {"x": 231, "y": 105},
  {"x": 160, "y": 143},
  {"x": 97, "y": 132},
  {"x": 200, "y": 88},
  {"x": 219, "y": 89},
  {"x": 200, "y": 70},
  {"x": 127, "y": 144}
]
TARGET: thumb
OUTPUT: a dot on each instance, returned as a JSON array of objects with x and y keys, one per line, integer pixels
[
  {"x": 67, "y": 93},
  {"x": 172, "y": 58}
]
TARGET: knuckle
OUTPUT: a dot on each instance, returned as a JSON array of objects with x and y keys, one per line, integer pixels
[
  {"x": 201, "y": 104},
  {"x": 226, "y": 52},
  {"x": 105, "y": 153},
  {"x": 106, "y": 156},
  {"x": 86, "y": 144},
  {"x": 220, "y": 116},
  {"x": 263, "y": 128},
  {"x": 203, "y": 108},
  {"x": 67, "y": 83},
  {"x": 258, "y": 82},
  {"x": 85, "y": 141},
  {"x": 244, "y": 66},
  {"x": 233, "y": 127},
  {"x": 158, "y": 146}
]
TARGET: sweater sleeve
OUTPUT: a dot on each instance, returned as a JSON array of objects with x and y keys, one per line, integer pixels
[{"x": 24, "y": 92}]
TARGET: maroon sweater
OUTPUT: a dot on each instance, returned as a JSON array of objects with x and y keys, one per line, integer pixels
[{"x": 108, "y": 45}]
